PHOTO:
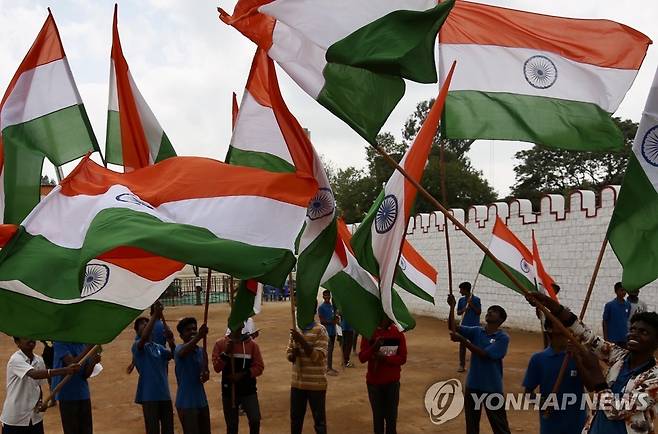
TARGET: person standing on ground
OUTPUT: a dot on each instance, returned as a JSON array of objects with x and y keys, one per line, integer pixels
[
  {"x": 74, "y": 398},
  {"x": 307, "y": 351},
  {"x": 327, "y": 316},
  {"x": 238, "y": 357},
  {"x": 26, "y": 373},
  {"x": 543, "y": 370},
  {"x": 346, "y": 345},
  {"x": 488, "y": 346},
  {"x": 615, "y": 317},
  {"x": 385, "y": 352},
  {"x": 637, "y": 305},
  {"x": 470, "y": 308},
  {"x": 151, "y": 360},
  {"x": 191, "y": 374}
]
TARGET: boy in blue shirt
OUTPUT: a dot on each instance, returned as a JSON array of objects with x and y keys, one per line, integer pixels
[
  {"x": 327, "y": 315},
  {"x": 470, "y": 307},
  {"x": 543, "y": 370},
  {"x": 74, "y": 397},
  {"x": 615, "y": 317},
  {"x": 488, "y": 346},
  {"x": 191, "y": 373},
  {"x": 151, "y": 361}
]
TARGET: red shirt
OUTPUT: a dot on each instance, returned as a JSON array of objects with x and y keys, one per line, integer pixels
[{"x": 393, "y": 350}]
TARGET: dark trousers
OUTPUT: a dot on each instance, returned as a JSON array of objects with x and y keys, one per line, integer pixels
[
  {"x": 76, "y": 417},
  {"x": 30, "y": 429},
  {"x": 462, "y": 355},
  {"x": 316, "y": 400},
  {"x": 232, "y": 413},
  {"x": 497, "y": 418},
  {"x": 347, "y": 345},
  {"x": 330, "y": 352},
  {"x": 158, "y": 417},
  {"x": 194, "y": 420},
  {"x": 356, "y": 339},
  {"x": 384, "y": 399}
]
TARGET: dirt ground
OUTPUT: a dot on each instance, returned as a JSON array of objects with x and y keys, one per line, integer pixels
[{"x": 432, "y": 357}]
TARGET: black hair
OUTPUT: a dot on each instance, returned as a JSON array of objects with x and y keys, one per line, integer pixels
[
  {"x": 325, "y": 292},
  {"x": 618, "y": 285},
  {"x": 501, "y": 312},
  {"x": 650, "y": 318},
  {"x": 138, "y": 321},
  {"x": 465, "y": 285},
  {"x": 16, "y": 339},
  {"x": 184, "y": 323}
]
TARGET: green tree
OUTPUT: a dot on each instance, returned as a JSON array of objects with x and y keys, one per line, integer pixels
[{"x": 542, "y": 170}]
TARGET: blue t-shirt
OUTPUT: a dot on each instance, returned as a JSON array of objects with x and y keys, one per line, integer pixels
[
  {"x": 616, "y": 314},
  {"x": 157, "y": 335},
  {"x": 345, "y": 325},
  {"x": 190, "y": 393},
  {"x": 543, "y": 370},
  {"x": 151, "y": 363},
  {"x": 77, "y": 388},
  {"x": 486, "y": 373},
  {"x": 470, "y": 318},
  {"x": 601, "y": 424},
  {"x": 326, "y": 312}
]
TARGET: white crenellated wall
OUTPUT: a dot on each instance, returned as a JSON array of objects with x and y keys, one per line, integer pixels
[{"x": 569, "y": 241}]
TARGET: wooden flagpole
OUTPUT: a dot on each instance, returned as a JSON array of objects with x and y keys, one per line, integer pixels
[
  {"x": 292, "y": 300},
  {"x": 423, "y": 192},
  {"x": 444, "y": 196}
]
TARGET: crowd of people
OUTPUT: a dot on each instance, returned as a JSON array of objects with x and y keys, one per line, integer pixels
[{"x": 627, "y": 348}]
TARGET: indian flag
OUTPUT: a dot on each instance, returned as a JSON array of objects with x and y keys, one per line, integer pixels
[
  {"x": 266, "y": 135},
  {"x": 415, "y": 274},
  {"x": 41, "y": 116},
  {"x": 168, "y": 210},
  {"x": 514, "y": 256},
  {"x": 633, "y": 231},
  {"x": 356, "y": 291},
  {"x": 352, "y": 57},
  {"x": 248, "y": 302},
  {"x": 134, "y": 136},
  {"x": 544, "y": 278},
  {"x": 537, "y": 78},
  {"x": 378, "y": 241}
]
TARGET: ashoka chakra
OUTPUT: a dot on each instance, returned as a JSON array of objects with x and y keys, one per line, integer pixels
[
  {"x": 650, "y": 146},
  {"x": 540, "y": 72},
  {"x": 386, "y": 215},
  {"x": 525, "y": 267},
  {"x": 96, "y": 277},
  {"x": 321, "y": 205}
]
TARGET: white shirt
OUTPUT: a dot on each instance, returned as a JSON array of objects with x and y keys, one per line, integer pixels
[{"x": 23, "y": 392}]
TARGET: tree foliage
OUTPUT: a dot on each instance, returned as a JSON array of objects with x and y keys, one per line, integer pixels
[
  {"x": 542, "y": 170},
  {"x": 356, "y": 190}
]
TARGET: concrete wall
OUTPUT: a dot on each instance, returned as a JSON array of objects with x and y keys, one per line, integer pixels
[{"x": 569, "y": 241}]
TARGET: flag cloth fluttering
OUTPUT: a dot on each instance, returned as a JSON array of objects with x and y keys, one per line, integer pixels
[
  {"x": 115, "y": 240},
  {"x": 352, "y": 57},
  {"x": 247, "y": 303},
  {"x": 633, "y": 230},
  {"x": 544, "y": 278},
  {"x": 356, "y": 292},
  {"x": 134, "y": 138},
  {"x": 536, "y": 78},
  {"x": 41, "y": 116},
  {"x": 377, "y": 242}
]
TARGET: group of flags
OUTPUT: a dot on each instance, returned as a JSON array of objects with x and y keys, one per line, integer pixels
[{"x": 115, "y": 240}]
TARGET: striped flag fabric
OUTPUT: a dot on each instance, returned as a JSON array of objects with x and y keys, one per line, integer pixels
[
  {"x": 537, "y": 78},
  {"x": 514, "y": 256},
  {"x": 377, "y": 242},
  {"x": 415, "y": 274},
  {"x": 147, "y": 223},
  {"x": 356, "y": 291},
  {"x": 134, "y": 138},
  {"x": 633, "y": 230},
  {"x": 41, "y": 116},
  {"x": 248, "y": 298},
  {"x": 351, "y": 57},
  {"x": 544, "y": 278}
]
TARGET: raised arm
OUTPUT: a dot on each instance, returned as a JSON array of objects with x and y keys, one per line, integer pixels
[{"x": 189, "y": 347}]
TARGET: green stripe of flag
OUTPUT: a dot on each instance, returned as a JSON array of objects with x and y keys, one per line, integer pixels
[
  {"x": 489, "y": 269},
  {"x": 113, "y": 150},
  {"x": 259, "y": 160},
  {"x": 403, "y": 282},
  {"x": 166, "y": 149}
]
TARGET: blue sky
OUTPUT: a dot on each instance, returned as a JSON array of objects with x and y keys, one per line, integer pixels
[{"x": 186, "y": 64}]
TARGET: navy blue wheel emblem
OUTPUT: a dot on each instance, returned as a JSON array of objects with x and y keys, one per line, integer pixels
[
  {"x": 403, "y": 263},
  {"x": 131, "y": 198},
  {"x": 386, "y": 215},
  {"x": 540, "y": 72},
  {"x": 650, "y": 146},
  {"x": 321, "y": 205},
  {"x": 525, "y": 267},
  {"x": 96, "y": 277}
]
